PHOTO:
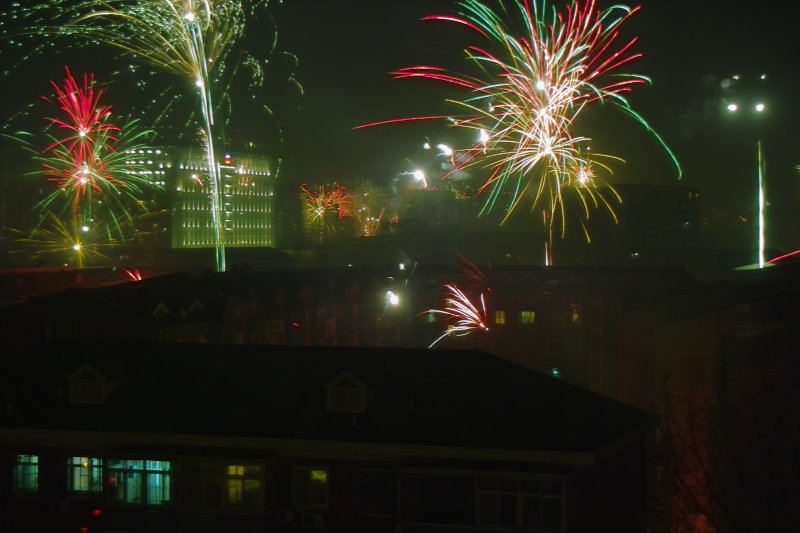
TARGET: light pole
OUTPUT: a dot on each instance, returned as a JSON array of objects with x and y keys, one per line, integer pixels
[{"x": 758, "y": 109}]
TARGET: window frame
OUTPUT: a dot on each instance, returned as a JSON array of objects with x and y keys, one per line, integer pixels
[
  {"x": 521, "y": 495},
  {"x": 219, "y": 471},
  {"x": 93, "y": 467},
  {"x": 25, "y": 470},
  {"x": 310, "y": 505},
  {"x": 527, "y": 317},
  {"x": 144, "y": 474},
  {"x": 393, "y": 482}
]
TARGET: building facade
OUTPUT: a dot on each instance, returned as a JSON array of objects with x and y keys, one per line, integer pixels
[
  {"x": 182, "y": 193},
  {"x": 126, "y": 437}
]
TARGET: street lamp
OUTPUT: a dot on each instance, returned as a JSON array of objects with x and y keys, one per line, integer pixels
[{"x": 758, "y": 108}]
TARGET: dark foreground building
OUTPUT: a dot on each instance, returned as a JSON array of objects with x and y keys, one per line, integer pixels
[{"x": 180, "y": 437}]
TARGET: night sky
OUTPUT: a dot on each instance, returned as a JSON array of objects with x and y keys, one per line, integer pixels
[{"x": 345, "y": 50}]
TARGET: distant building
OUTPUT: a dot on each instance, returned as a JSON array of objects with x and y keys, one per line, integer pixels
[
  {"x": 209, "y": 438},
  {"x": 248, "y": 188}
]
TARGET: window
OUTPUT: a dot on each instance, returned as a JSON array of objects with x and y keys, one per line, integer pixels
[
  {"x": 573, "y": 310},
  {"x": 377, "y": 492},
  {"x": 310, "y": 487},
  {"x": 500, "y": 317},
  {"x": 527, "y": 318},
  {"x": 438, "y": 498},
  {"x": 84, "y": 474},
  {"x": 497, "y": 502},
  {"x": 330, "y": 331},
  {"x": 219, "y": 486},
  {"x": 25, "y": 477},
  {"x": 346, "y": 394},
  {"x": 86, "y": 385},
  {"x": 520, "y": 503},
  {"x": 139, "y": 481},
  {"x": 274, "y": 328}
]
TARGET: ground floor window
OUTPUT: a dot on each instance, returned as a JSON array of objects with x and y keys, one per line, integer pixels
[
  {"x": 534, "y": 504},
  {"x": 310, "y": 487},
  {"x": 25, "y": 475},
  {"x": 85, "y": 474},
  {"x": 377, "y": 492},
  {"x": 221, "y": 486},
  {"x": 139, "y": 481}
]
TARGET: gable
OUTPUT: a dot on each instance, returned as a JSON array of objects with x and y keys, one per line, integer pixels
[{"x": 345, "y": 393}]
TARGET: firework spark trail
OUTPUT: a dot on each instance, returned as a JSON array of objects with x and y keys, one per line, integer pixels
[
  {"x": 537, "y": 72},
  {"x": 181, "y": 37},
  {"x": 369, "y": 203},
  {"x": 463, "y": 316}
]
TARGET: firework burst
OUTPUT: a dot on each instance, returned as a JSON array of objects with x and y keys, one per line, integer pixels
[
  {"x": 84, "y": 117},
  {"x": 369, "y": 203},
  {"x": 319, "y": 202},
  {"x": 463, "y": 316},
  {"x": 88, "y": 158},
  {"x": 538, "y": 68},
  {"x": 75, "y": 243}
]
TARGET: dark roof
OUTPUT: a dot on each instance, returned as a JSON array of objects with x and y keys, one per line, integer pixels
[{"x": 415, "y": 396}]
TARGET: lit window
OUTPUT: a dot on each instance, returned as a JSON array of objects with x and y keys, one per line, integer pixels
[
  {"x": 499, "y": 317},
  {"x": 526, "y": 318},
  {"x": 25, "y": 477},
  {"x": 224, "y": 486},
  {"x": 573, "y": 309},
  {"x": 310, "y": 487},
  {"x": 84, "y": 474},
  {"x": 139, "y": 481}
]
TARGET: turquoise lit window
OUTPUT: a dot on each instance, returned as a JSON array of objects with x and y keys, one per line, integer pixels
[
  {"x": 84, "y": 474},
  {"x": 139, "y": 481},
  {"x": 25, "y": 476}
]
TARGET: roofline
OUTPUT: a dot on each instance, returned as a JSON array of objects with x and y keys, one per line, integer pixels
[{"x": 295, "y": 447}]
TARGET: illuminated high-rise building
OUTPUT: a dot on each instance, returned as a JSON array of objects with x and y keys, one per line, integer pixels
[{"x": 248, "y": 187}]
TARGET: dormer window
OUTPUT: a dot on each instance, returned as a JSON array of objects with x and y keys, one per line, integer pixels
[
  {"x": 87, "y": 385},
  {"x": 196, "y": 307},
  {"x": 346, "y": 394},
  {"x": 160, "y": 310}
]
